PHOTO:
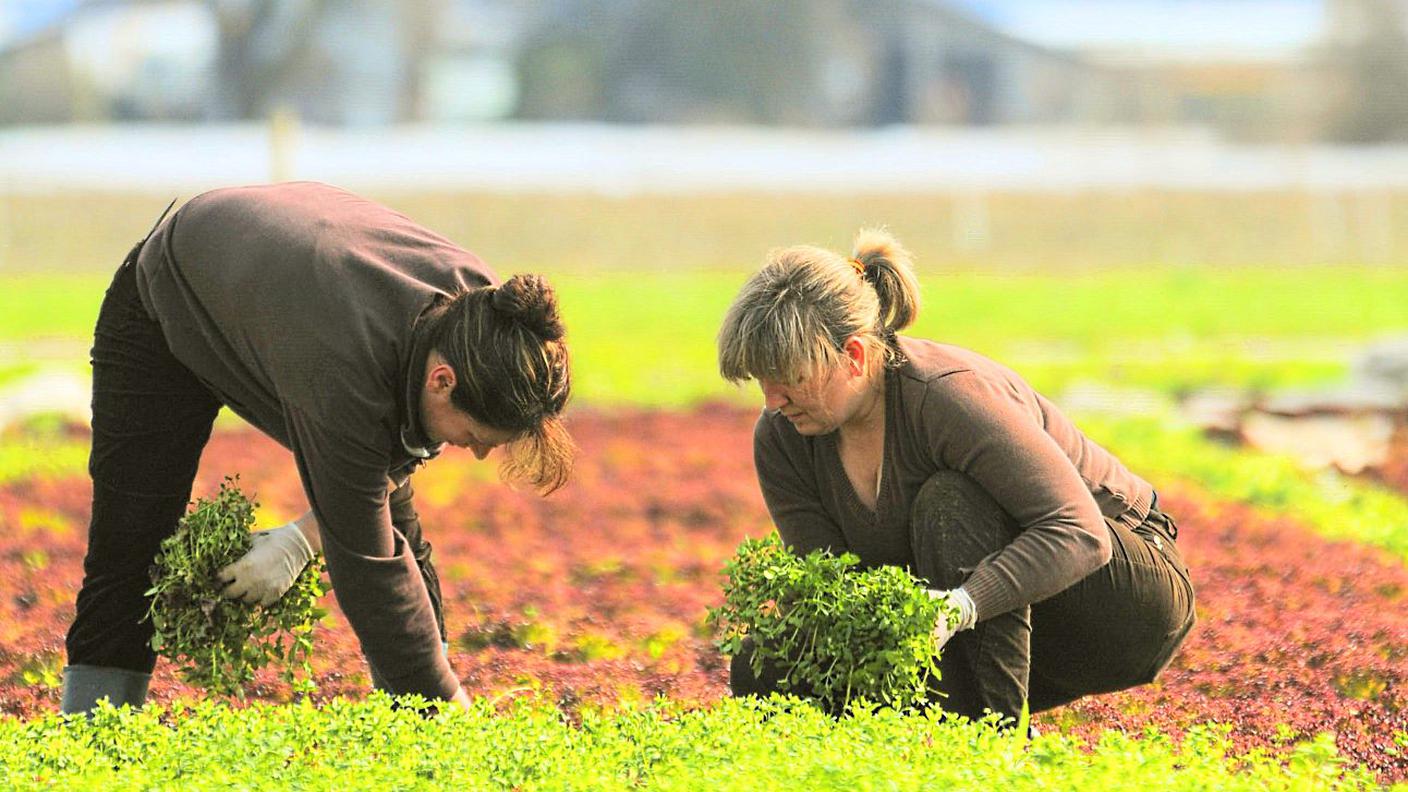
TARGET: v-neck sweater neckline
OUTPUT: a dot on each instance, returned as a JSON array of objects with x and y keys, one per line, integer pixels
[{"x": 838, "y": 466}]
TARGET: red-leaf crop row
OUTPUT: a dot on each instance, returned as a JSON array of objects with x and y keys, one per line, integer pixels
[{"x": 596, "y": 594}]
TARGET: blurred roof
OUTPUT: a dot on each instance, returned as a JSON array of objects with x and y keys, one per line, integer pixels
[{"x": 1251, "y": 30}]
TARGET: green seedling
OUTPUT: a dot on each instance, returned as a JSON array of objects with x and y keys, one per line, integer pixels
[
  {"x": 834, "y": 633},
  {"x": 219, "y": 643}
]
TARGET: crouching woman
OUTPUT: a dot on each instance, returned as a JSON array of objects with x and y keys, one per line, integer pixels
[{"x": 904, "y": 451}]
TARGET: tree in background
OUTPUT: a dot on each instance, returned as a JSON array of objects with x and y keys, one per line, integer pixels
[
  {"x": 262, "y": 43},
  {"x": 1368, "y": 70},
  {"x": 297, "y": 52}
]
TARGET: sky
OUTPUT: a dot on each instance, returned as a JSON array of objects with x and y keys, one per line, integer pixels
[
  {"x": 1254, "y": 28},
  {"x": 20, "y": 18}
]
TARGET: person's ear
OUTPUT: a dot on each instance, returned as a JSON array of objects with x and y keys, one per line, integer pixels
[
  {"x": 855, "y": 356},
  {"x": 441, "y": 378}
]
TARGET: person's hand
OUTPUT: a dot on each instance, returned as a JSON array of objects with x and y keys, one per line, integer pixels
[
  {"x": 958, "y": 613},
  {"x": 461, "y": 698},
  {"x": 262, "y": 575}
]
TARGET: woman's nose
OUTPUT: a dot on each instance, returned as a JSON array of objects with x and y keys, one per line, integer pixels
[{"x": 773, "y": 396}]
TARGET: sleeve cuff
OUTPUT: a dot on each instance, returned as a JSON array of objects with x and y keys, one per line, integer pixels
[
  {"x": 437, "y": 682},
  {"x": 990, "y": 595}
]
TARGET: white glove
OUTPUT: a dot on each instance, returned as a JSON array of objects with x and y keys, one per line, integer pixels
[
  {"x": 948, "y": 625},
  {"x": 262, "y": 575}
]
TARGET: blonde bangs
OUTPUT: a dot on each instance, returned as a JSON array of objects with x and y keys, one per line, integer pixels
[
  {"x": 792, "y": 318},
  {"x": 766, "y": 336}
]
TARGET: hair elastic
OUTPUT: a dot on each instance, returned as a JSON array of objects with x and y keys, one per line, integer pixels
[{"x": 856, "y": 265}]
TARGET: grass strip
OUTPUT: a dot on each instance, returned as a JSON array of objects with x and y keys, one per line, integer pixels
[
  {"x": 27, "y": 458},
  {"x": 735, "y": 744},
  {"x": 647, "y": 337},
  {"x": 1088, "y": 309}
]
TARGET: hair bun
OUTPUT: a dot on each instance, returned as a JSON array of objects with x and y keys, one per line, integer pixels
[{"x": 530, "y": 301}]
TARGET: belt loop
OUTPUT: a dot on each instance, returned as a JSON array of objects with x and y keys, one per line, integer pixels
[
  {"x": 1169, "y": 524},
  {"x": 1170, "y": 527}
]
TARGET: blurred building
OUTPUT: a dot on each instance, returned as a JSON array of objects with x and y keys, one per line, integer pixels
[
  {"x": 1253, "y": 68},
  {"x": 823, "y": 63},
  {"x": 36, "y": 83},
  {"x": 92, "y": 61},
  {"x": 332, "y": 61},
  {"x": 1260, "y": 69}
]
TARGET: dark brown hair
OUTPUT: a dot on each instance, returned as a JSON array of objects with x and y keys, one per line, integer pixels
[{"x": 507, "y": 346}]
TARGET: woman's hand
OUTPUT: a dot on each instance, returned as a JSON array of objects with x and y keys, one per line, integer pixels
[
  {"x": 461, "y": 698},
  {"x": 273, "y": 563},
  {"x": 956, "y": 614}
]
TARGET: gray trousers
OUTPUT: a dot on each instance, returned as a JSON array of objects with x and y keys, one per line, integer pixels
[{"x": 1116, "y": 628}]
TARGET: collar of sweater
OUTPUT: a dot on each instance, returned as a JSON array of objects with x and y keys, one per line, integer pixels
[{"x": 413, "y": 436}]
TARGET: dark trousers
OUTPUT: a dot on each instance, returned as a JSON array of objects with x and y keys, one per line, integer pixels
[
  {"x": 1116, "y": 628},
  {"x": 151, "y": 420}
]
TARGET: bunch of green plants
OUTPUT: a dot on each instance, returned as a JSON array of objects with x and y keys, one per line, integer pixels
[
  {"x": 830, "y": 632},
  {"x": 219, "y": 643}
]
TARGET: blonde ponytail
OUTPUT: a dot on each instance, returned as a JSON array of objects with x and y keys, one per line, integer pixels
[
  {"x": 889, "y": 268},
  {"x": 793, "y": 317}
]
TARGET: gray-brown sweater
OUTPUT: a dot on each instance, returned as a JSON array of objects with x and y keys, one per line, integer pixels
[
  {"x": 295, "y": 303},
  {"x": 949, "y": 408}
]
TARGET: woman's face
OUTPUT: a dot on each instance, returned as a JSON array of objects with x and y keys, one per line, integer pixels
[
  {"x": 825, "y": 401},
  {"x": 445, "y": 423}
]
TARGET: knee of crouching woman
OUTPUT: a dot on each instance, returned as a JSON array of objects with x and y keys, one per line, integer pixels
[{"x": 954, "y": 524}]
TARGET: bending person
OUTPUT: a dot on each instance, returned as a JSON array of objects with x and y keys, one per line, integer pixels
[
  {"x": 355, "y": 338},
  {"x": 931, "y": 457}
]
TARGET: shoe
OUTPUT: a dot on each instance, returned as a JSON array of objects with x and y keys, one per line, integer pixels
[{"x": 86, "y": 685}]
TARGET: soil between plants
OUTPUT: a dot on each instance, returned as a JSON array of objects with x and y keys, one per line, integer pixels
[{"x": 596, "y": 595}]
